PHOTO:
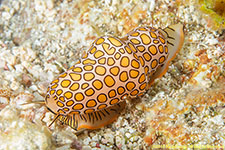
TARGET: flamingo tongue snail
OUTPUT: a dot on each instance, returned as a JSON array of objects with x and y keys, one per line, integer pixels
[{"x": 92, "y": 93}]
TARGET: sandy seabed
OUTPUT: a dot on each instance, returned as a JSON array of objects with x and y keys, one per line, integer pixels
[{"x": 41, "y": 39}]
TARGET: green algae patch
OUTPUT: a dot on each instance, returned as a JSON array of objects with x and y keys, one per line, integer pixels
[{"x": 216, "y": 12}]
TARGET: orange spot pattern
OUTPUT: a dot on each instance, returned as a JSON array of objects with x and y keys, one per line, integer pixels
[{"x": 110, "y": 71}]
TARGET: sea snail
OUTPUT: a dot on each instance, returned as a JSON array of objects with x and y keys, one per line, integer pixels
[{"x": 92, "y": 93}]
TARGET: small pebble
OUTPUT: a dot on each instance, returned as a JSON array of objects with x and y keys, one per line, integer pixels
[
  {"x": 86, "y": 141},
  {"x": 87, "y": 148},
  {"x": 93, "y": 144},
  {"x": 128, "y": 135}
]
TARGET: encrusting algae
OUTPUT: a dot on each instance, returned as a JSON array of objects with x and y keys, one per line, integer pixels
[
  {"x": 216, "y": 11},
  {"x": 194, "y": 114}
]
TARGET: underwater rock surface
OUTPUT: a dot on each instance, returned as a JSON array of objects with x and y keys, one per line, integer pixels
[{"x": 41, "y": 39}]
